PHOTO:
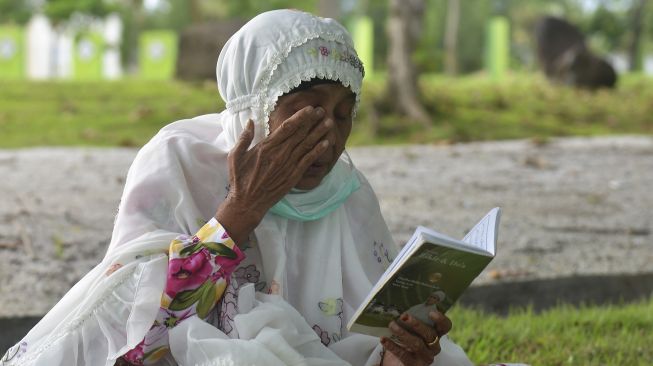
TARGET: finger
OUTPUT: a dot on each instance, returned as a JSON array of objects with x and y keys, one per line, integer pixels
[
  {"x": 310, "y": 158},
  {"x": 425, "y": 332},
  {"x": 408, "y": 340},
  {"x": 244, "y": 140},
  {"x": 442, "y": 323},
  {"x": 432, "y": 349},
  {"x": 399, "y": 352},
  {"x": 414, "y": 343},
  {"x": 298, "y": 125},
  {"x": 316, "y": 135}
]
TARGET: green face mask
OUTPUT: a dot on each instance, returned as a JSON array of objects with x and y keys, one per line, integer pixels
[{"x": 332, "y": 192}]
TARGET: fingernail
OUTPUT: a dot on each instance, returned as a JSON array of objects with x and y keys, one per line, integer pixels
[
  {"x": 328, "y": 123},
  {"x": 319, "y": 111},
  {"x": 324, "y": 143}
]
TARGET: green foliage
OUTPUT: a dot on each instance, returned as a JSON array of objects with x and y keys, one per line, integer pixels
[
  {"x": 565, "y": 335},
  {"x": 249, "y": 8},
  {"x": 17, "y": 11},
  {"x": 474, "y": 108},
  {"x": 471, "y": 108},
  {"x": 609, "y": 28},
  {"x": 61, "y": 10}
]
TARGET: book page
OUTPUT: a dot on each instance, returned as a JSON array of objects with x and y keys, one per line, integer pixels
[{"x": 484, "y": 234}]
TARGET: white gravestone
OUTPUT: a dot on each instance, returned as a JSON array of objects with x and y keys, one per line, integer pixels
[
  {"x": 40, "y": 42},
  {"x": 64, "y": 54},
  {"x": 111, "y": 66}
]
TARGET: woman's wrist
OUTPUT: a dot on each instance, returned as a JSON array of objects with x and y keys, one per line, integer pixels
[{"x": 237, "y": 219}]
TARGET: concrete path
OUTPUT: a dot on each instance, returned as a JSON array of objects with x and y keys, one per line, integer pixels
[{"x": 572, "y": 207}]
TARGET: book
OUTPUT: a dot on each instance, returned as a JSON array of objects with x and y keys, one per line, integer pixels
[{"x": 430, "y": 272}]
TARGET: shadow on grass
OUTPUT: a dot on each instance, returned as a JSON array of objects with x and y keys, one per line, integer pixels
[
  {"x": 547, "y": 293},
  {"x": 496, "y": 298}
]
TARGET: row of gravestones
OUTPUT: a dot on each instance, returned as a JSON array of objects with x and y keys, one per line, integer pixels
[{"x": 41, "y": 51}]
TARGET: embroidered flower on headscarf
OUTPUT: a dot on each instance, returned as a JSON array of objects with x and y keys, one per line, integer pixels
[
  {"x": 324, "y": 335},
  {"x": 188, "y": 273},
  {"x": 247, "y": 274},
  {"x": 228, "y": 310},
  {"x": 114, "y": 267},
  {"x": 380, "y": 252},
  {"x": 275, "y": 288},
  {"x": 331, "y": 306}
]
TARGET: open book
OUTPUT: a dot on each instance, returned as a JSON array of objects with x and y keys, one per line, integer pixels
[{"x": 430, "y": 272}]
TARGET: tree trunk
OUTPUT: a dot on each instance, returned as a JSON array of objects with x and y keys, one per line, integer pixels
[
  {"x": 636, "y": 21},
  {"x": 404, "y": 27},
  {"x": 136, "y": 22},
  {"x": 451, "y": 37},
  {"x": 195, "y": 10}
]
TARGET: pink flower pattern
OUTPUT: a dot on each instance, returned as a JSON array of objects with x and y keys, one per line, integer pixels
[
  {"x": 188, "y": 273},
  {"x": 192, "y": 270}
]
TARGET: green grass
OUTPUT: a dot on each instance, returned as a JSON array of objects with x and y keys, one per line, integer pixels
[
  {"x": 598, "y": 335},
  {"x": 470, "y": 108},
  {"x": 122, "y": 113},
  {"x": 474, "y": 108}
]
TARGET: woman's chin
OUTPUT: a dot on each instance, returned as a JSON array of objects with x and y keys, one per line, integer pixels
[
  {"x": 312, "y": 177},
  {"x": 308, "y": 183}
]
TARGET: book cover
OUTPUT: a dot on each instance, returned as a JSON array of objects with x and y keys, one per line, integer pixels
[{"x": 430, "y": 273}]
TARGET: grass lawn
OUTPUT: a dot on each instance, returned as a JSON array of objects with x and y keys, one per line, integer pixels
[
  {"x": 121, "y": 113},
  {"x": 474, "y": 108},
  {"x": 470, "y": 108},
  {"x": 605, "y": 335}
]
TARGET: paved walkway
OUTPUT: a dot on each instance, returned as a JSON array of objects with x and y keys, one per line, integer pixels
[{"x": 571, "y": 207}]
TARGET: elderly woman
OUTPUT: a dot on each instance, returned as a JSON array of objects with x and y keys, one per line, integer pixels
[{"x": 245, "y": 237}]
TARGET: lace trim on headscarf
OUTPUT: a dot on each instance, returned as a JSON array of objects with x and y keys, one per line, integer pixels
[
  {"x": 258, "y": 101},
  {"x": 345, "y": 75}
]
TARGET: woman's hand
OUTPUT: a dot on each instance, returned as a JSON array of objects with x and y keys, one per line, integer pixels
[
  {"x": 261, "y": 176},
  {"x": 419, "y": 342}
]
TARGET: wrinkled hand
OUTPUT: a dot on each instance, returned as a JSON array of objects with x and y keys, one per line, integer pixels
[
  {"x": 261, "y": 176},
  {"x": 414, "y": 337}
]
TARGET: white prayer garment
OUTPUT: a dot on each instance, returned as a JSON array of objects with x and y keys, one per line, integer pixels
[{"x": 285, "y": 296}]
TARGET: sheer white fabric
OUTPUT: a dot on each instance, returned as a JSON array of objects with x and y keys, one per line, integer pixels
[{"x": 317, "y": 272}]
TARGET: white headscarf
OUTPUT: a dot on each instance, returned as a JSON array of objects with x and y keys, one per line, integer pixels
[
  {"x": 267, "y": 58},
  {"x": 321, "y": 270}
]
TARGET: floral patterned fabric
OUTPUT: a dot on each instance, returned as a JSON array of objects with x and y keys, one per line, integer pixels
[{"x": 199, "y": 271}]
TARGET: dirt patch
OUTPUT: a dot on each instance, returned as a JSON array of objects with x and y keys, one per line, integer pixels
[{"x": 572, "y": 207}]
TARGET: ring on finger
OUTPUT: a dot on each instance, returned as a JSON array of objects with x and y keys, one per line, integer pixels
[{"x": 434, "y": 342}]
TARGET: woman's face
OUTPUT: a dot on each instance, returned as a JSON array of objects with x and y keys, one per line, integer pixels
[{"x": 337, "y": 102}]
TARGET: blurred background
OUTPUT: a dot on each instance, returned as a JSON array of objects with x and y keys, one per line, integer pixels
[
  {"x": 542, "y": 107},
  {"x": 112, "y": 72}
]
